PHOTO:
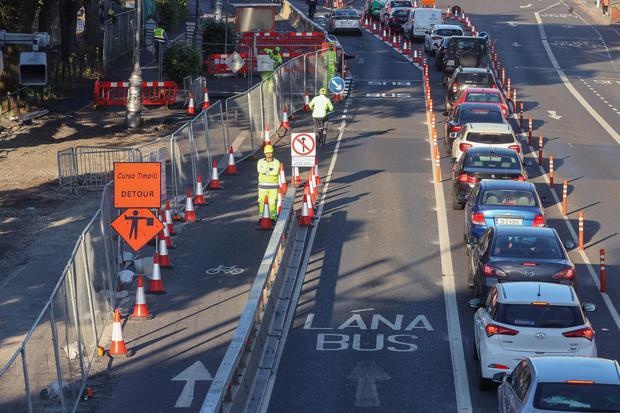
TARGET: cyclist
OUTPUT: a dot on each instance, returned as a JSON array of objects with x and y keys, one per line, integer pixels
[{"x": 321, "y": 105}]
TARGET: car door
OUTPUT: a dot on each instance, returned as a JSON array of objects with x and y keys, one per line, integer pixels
[
  {"x": 510, "y": 401},
  {"x": 483, "y": 316},
  {"x": 477, "y": 254},
  {"x": 469, "y": 209}
]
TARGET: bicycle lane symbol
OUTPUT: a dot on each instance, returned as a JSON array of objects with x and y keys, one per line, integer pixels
[{"x": 223, "y": 269}]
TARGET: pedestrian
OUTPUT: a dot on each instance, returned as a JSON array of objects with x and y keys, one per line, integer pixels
[
  {"x": 605, "y": 4},
  {"x": 311, "y": 9},
  {"x": 268, "y": 171}
]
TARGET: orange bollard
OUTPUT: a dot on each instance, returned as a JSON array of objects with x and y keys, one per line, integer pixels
[
  {"x": 508, "y": 90},
  {"x": 437, "y": 168},
  {"x": 602, "y": 269},
  {"x": 529, "y": 133},
  {"x": 551, "y": 171},
  {"x": 540, "y": 148},
  {"x": 580, "y": 231},
  {"x": 503, "y": 77},
  {"x": 435, "y": 146},
  {"x": 564, "y": 197},
  {"x": 521, "y": 115},
  {"x": 514, "y": 100},
  {"x": 430, "y": 105}
]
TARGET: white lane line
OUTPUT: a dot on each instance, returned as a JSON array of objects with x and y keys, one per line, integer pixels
[
  {"x": 299, "y": 282},
  {"x": 455, "y": 337},
  {"x": 543, "y": 37}
]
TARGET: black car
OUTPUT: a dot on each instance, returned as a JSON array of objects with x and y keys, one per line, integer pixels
[
  {"x": 473, "y": 112},
  {"x": 395, "y": 19},
  {"x": 483, "y": 162},
  {"x": 464, "y": 51},
  {"x": 465, "y": 77},
  {"x": 509, "y": 253},
  {"x": 440, "y": 54}
]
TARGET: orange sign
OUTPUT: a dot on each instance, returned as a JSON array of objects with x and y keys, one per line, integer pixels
[
  {"x": 428, "y": 3},
  {"x": 137, "y": 184},
  {"x": 137, "y": 227}
]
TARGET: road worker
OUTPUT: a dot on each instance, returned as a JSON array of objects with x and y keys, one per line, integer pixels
[
  {"x": 268, "y": 170},
  {"x": 275, "y": 56}
]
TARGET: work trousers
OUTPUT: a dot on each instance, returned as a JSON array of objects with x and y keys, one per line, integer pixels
[{"x": 272, "y": 194}]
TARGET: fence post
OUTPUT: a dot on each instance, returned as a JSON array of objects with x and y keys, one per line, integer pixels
[
  {"x": 91, "y": 305},
  {"x": 56, "y": 354},
  {"x": 252, "y": 125},
  {"x": 26, "y": 378}
]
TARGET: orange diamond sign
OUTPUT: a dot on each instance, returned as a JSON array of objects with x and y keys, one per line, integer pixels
[{"x": 137, "y": 227}]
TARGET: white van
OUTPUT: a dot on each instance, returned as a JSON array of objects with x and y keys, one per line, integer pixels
[{"x": 420, "y": 21}]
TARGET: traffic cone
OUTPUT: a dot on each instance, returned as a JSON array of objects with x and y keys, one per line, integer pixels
[
  {"x": 140, "y": 310},
  {"x": 199, "y": 198},
  {"x": 164, "y": 259},
  {"x": 156, "y": 285},
  {"x": 266, "y": 136},
  {"x": 279, "y": 203},
  {"x": 190, "y": 106},
  {"x": 169, "y": 243},
  {"x": 308, "y": 201},
  {"x": 265, "y": 220},
  {"x": 231, "y": 169},
  {"x": 215, "y": 178},
  {"x": 117, "y": 348},
  {"x": 304, "y": 219},
  {"x": 168, "y": 216},
  {"x": 296, "y": 181},
  {"x": 315, "y": 172},
  {"x": 190, "y": 214},
  {"x": 311, "y": 187},
  {"x": 205, "y": 101},
  {"x": 285, "y": 123},
  {"x": 306, "y": 102},
  {"x": 283, "y": 187}
]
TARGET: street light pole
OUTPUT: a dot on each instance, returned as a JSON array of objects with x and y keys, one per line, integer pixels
[{"x": 133, "y": 116}]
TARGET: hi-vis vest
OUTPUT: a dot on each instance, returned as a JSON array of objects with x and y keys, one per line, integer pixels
[
  {"x": 159, "y": 34},
  {"x": 268, "y": 173}
]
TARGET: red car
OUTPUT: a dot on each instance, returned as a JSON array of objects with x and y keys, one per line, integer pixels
[{"x": 482, "y": 95}]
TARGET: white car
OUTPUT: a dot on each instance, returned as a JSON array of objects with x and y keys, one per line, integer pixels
[
  {"x": 499, "y": 135},
  {"x": 341, "y": 20},
  {"x": 434, "y": 37},
  {"x": 529, "y": 319}
]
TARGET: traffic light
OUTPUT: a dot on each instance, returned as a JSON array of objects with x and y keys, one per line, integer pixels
[{"x": 33, "y": 68}]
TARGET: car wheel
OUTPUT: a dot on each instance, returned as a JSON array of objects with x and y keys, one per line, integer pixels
[{"x": 456, "y": 204}]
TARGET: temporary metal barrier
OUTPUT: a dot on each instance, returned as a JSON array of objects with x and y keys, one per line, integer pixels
[
  {"x": 118, "y": 36},
  {"x": 153, "y": 93}
]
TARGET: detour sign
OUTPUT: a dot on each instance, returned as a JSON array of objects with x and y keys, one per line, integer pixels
[{"x": 137, "y": 184}]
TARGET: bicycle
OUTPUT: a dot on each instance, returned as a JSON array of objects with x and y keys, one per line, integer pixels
[
  {"x": 232, "y": 270},
  {"x": 321, "y": 130}
]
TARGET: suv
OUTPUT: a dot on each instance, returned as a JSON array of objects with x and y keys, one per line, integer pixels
[
  {"x": 465, "y": 51},
  {"x": 465, "y": 77},
  {"x": 498, "y": 135}
]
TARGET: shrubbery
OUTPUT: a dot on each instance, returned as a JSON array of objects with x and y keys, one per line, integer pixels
[
  {"x": 180, "y": 61},
  {"x": 213, "y": 36},
  {"x": 171, "y": 13}
]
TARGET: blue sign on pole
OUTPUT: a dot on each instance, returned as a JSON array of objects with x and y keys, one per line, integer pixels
[{"x": 336, "y": 85}]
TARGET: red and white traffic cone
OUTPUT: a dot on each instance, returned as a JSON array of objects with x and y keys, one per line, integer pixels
[
  {"x": 215, "y": 178},
  {"x": 205, "y": 101},
  {"x": 308, "y": 200},
  {"x": 140, "y": 310},
  {"x": 231, "y": 169},
  {"x": 265, "y": 220},
  {"x": 283, "y": 186},
  {"x": 169, "y": 242},
  {"x": 168, "y": 216},
  {"x": 199, "y": 198},
  {"x": 190, "y": 107},
  {"x": 311, "y": 187},
  {"x": 279, "y": 203},
  {"x": 304, "y": 219},
  {"x": 164, "y": 258},
  {"x": 306, "y": 102},
  {"x": 285, "y": 122},
  {"x": 190, "y": 214},
  {"x": 156, "y": 285},
  {"x": 315, "y": 172},
  {"x": 117, "y": 348},
  {"x": 266, "y": 136},
  {"x": 296, "y": 177}
]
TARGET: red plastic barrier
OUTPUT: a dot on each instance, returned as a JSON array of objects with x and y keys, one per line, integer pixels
[
  {"x": 217, "y": 63},
  {"x": 153, "y": 93}
]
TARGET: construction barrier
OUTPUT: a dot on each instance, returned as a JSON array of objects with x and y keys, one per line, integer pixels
[
  {"x": 153, "y": 93},
  {"x": 219, "y": 64}
]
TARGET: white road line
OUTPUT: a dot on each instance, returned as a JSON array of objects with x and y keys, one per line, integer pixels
[{"x": 543, "y": 36}]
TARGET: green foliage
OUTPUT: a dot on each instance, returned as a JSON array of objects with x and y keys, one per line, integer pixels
[
  {"x": 171, "y": 13},
  {"x": 213, "y": 36},
  {"x": 180, "y": 61}
]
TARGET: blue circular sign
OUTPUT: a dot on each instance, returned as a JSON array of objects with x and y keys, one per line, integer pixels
[{"x": 336, "y": 85}]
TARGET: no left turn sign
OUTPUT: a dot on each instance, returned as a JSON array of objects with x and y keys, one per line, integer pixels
[{"x": 303, "y": 144}]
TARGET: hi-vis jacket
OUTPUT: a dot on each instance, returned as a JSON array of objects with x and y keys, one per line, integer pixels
[
  {"x": 321, "y": 106},
  {"x": 268, "y": 173}
]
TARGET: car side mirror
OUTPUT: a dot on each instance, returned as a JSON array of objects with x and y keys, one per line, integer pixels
[
  {"x": 501, "y": 377},
  {"x": 452, "y": 160},
  {"x": 588, "y": 307},
  {"x": 454, "y": 135},
  {"x": 475, "y": 303},
  {"x": 471, "y": 241},
  {"x": 569, "y": 244}
]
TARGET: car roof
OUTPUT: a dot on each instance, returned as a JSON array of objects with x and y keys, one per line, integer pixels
[
  {"x": 482, "y": 90},
  {"x": 448, "y": 26},
  {"x": 527, "y": 292},
  {"x": 494, "y": 107},
  {"x": 489, "y": 127},
  {"x": 472, "y": 69},
  {"x": 492, "y": 150},
  {"x": 499, "y": 184},
  {"x": 346, "y": 12},
  {"x": 562, "y": 368},
  {"x": 395, "y": 9},
  {"x": 542, "y": 232}
]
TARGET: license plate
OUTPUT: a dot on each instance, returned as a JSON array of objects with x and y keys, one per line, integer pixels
[
  {"x": 508, "y": 221},
  {"x": 450, "y": 62}
]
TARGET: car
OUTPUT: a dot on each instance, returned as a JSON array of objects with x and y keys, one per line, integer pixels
[
  {"x": 374, "y": 7},
  {"x": 482, "y": 94},
  {"x": 420, "y": 21},
  {"x": 391, "y": 4},
  {"x": 395, "y": 19},
  {"x": 483, "y": 162},
  {"x": 497, "y": 135},
  {"x": 470, "y": 113},
  {"x": 525, "y": 319},
  {"x": 495, "y": 202},
  {"x": 440, "y": 53},
  {"x": 465, "y": 51},
  {"x": 463, "y": 78},
  {"x": 560, "y": 384},
  {"x": 510, "y": 253},
  {"x": 344, "y": 20},
  {"x": 435, "y": 36}
]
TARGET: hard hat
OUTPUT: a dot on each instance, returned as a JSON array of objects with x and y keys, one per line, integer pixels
[
  {"x": 277, "y": 48},
  {"x": 323, "y": 91},
  {"x": 268, "y": 149}
]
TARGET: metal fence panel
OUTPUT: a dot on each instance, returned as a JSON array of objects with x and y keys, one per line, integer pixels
[
  {"x": 118, "y": 36},
  {"x": 12, "y": 386},
  {"x": 268, "y": 93},
  {"x": 218, "y": 144},
  {"x": 201, "y": 145},
  {"x": 256, "y": 115},
  {"x": 160, "y": 151},
  {"x": 297, "y": 83},
  {"x": 238, "y": 125},
  {"x": 182, "y": 160},
  {"x": 95, "y": 165}
]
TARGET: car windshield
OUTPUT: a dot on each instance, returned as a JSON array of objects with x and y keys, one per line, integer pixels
[
  {"x": 482, "y": 97},
  {"x": 543, "y": 316},
  {"x": 476, "y": 78},
  {"x": 490, "y": 138},
  {"x": 479, "y": 160},
  {"x": 481, "y": 115},
  {"x": 448, "y": 32},
  {"x": 402, "y": 4},
  {"x": 577, "y": 397},
  {"x": 509, "y": 197},
  {"x": 526, "y": 247},
  {"x": 345, "y": 14},
  {"x": 400, "y": 13}
]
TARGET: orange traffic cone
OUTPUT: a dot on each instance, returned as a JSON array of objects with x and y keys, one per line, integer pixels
[
  {"x": 283, "y": 187},
  {"x": 306, "y": 102},
  {"x": 199, "y": 198},
  {"x": 304, "y": 219},
  {"x": 190, "y": 106},
  {"x": 169, "y": 242},
  {"x": 296, "y": 177},
  {"x": 308, "y": 201},
  {"x": 164, "y": 259},
  {"x": 265, "y": 220},
  {"x": 279, "y": 203},
  {"x": 231, "y": 169},
  {"x": 205, "y": 101},
  {"x": 117, "y": 348},
  {"x": 168, "y": 216},
  {"x": 266, "y": 136},
  {"x": 312, "y": 188},
  {"x": 215, "y": 178},
  {"x": 315, "y": 172},
  {"x": 156, "y": 285},
  {"x": 190, "y": 214},
  {"x": 285, "y": 119},
  {"x": 140, "y": 310}
]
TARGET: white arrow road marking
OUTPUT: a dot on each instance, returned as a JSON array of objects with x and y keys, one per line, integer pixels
[
  {"x": 526, "y": 7},
  {"x": 553, "y": 114},
  {"x": 192, "y": 374},
  {"x": 516, "y": 44},
  {"x": 512, "y": 24},
  {"x": 367, "y": 373}
]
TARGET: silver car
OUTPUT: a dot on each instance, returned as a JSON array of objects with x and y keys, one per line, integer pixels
[
  {"x": 344, "y": 20},
  {"x": 560, "y": 384}
]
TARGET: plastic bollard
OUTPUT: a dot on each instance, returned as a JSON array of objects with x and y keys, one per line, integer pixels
[
  {"x": 580, "y": 231},
  {"x": 540, "y": 150},
  {"x": 564, "y": 197},
  {"x": 602, "y": 270},
  {"x": 551, "y": 171}
]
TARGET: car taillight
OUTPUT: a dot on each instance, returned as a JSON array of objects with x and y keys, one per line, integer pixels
[
  {"x": 585, "y": 332},
  {"x": 392, "y": 19},
  {"x": 464, "y": 146},
  {"x": 504, "y": 110},
  {"x": 565, "y": 274},
  {"x": 493, "y": 329},
  {"x": 539, "y": 221},
  {"x": 520, "y": 178},
  {"x": 436, "y": 37},
  {"x": 455, "y": 87},
  {"x": 456, "y": 128},
  {"x": 516, "y": 148},
  {"x": 491, "y": 271},
  {"x": 467, "y": 178},
  {"x": 478, "y": 219}
]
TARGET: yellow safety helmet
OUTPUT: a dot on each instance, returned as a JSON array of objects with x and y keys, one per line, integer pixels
[
  {"x": 268, "y": 149},
  {"x": 323, "y": 91}
]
